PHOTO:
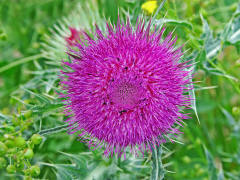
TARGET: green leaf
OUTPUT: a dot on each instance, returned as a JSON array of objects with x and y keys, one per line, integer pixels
[
  {"x": 232, "y": 176},
  {"x": 80, "y": 159},
  {"x": 158, "y": 9},
  {"x": 174, "y": 22},
  {"x": 66, "y": 171},
  {"x": 220, "y": 175},
  {"x": 44, "y": 108},
  {"x": 198, "y": 88},
  {"x": 212, "y": 46},
  {"x": 19, "y": 62},
  {"x": 231, "y": 32},
  {"x": 94, "y": 166},
  {"x": 4, "y": 118},
  {"x": 53, "y": 130},
  {"x": 212, "y": 170},
  {"x": 83, "y": 167},
  {"x": 229, "y": 117},
  {"x": 40, "y": 97}
]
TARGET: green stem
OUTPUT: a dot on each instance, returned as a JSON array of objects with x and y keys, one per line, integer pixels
[
  {"x": 158, "y": 10},
  {"x": 157, "y": 166},
  {"x": 53, "y": 130},
  {"x": 28, "y": 164},
  {"x": 20, "y": 61}
]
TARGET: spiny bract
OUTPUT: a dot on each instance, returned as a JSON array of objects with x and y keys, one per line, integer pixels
[{"x": 126, "y": 88}]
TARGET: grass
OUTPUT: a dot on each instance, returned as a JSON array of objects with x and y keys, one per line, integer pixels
[{"x": 210, "y": 150}]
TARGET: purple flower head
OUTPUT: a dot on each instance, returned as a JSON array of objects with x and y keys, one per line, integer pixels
[{"x": 126, "y": 88}]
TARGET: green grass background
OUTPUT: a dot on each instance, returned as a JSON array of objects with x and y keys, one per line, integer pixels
[{"x": 210, "y": 150}]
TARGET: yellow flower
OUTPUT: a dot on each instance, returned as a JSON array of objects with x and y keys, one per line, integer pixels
[{"x": 149, "y": 6}]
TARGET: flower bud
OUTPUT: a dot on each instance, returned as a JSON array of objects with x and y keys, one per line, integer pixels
[
  {"x": 36, "y": 139},
  {"x": 20, "y": 163},
  {"x": 3, "y": 37},
  {"x": 9, "y": 143},
  {"x": 236, "y": 110},
  {"x": 28, "y": 153},
  {"x": 27, "y": 172},
  {"x": 35, "y": 171},
  {"x": 20, "y": 142},
  {"x": 28, "y": 114},
  {"x": 204, "y": 12},
  {"x": 3, "y": 148},
  {"x": 3, "y": 163},
  {"x": 12, "y": 151},
  {"x": 27, "y": 178},
  {"x": 11, "y": 169},
  {"x": 186, "y": 159}
]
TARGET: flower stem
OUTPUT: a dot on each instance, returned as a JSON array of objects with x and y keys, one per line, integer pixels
[
  {"x": 20, "y": 61},
  {"x": 158, "y": 10},
  {"x": 53, "y": 130},
  {"x": 157, "y": 166}
]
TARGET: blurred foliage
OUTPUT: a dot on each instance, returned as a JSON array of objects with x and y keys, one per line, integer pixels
[{"x": 29, "y": 67}]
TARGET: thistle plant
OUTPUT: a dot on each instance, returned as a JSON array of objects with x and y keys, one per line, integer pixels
[
  {"x": 123, "y": 88},
  {"x": 71, "y": 35}
]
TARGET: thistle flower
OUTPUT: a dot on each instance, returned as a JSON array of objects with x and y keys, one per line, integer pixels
[
  {"x": 126, "y": 88},
  {"x": 74, "y": 37}
]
